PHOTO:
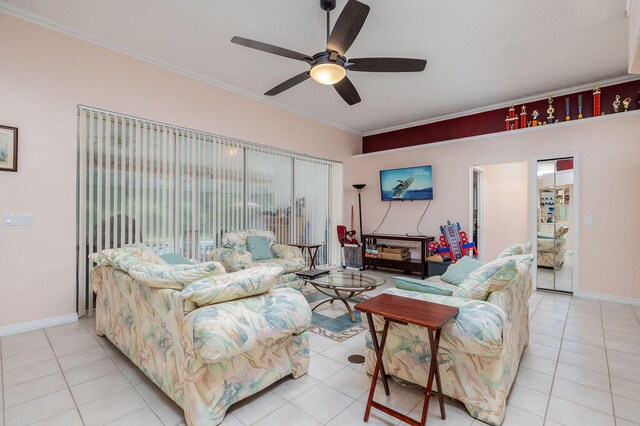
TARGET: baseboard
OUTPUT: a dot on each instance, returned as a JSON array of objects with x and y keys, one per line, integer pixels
[
  {"x": 607, "y": 297},
  {"x": 37, "y": 324}
]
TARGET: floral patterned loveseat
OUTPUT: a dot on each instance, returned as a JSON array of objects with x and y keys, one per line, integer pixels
[
  {"x": 204, "y": 358},
  {"x": 480, "y": 349},
  {"x": 235, "y": 257}
]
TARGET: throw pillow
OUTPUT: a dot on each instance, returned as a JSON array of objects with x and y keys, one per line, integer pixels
[
  {"x": 259, "y": 248},
  {"x": 236, "y": 285},
  {"x": 516, "y": 249},
  {"x": 494, "y": 276},
  {"x": 460, "y": 270},
  {"x": 175, "y": 259}
]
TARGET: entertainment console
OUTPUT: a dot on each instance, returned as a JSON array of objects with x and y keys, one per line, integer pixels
[{"x": 409, "y": 265}]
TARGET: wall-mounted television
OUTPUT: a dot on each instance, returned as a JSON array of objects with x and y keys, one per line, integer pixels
[{"x": 410, "y": 184}]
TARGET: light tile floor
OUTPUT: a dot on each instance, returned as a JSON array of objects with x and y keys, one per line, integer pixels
[{"x": 581, "y": 368}]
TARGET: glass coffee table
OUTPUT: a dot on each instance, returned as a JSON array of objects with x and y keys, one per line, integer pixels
[{"x": 344, "y": 285}]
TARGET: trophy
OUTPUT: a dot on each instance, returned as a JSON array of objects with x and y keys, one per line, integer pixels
[
  {"x": 567, "y": 116},
  {"x": 535, "y": 115},
  {"x": 616, "y": 104},
  {"x": 626, "y": 103},
  {"x": 511, "y": 122},
  {"x": 596, "y": 101},
  {"x": 550, "y": 110},
  {"x": 579, "y": 106},
  {"x": 523, "y": 117}
]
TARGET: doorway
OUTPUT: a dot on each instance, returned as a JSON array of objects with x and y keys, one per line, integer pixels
[
  {"x": 556, "y": 223},
  {"x": 477, "y": 209},
  {"x": 498, "y": 206}
]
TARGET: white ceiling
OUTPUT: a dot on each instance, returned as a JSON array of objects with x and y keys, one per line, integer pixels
[{"x": 479, "y": 52}]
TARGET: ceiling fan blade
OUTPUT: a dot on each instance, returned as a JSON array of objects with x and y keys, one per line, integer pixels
[
  {"x": 347, "y": 26},
  {"x": 347, "y": 90},
  {"x": 269, "y": 48},
  {"x": 288, "y": 84},
  {"x": 387, "y": 65}
]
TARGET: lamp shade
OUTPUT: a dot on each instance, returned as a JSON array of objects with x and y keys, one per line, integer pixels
[
  {"x": 328, "y": 73},
  {"x": 359, "y": 186}
]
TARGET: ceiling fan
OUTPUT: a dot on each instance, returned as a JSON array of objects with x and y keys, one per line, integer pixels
[{"x": 330, "y": 66}]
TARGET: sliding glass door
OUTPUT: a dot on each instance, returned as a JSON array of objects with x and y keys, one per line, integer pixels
[{"x": 178, "y": 191}]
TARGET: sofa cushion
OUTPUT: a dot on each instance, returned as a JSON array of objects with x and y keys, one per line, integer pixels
[
  {"x": 494, "y": 276},
  {"x": 138, "y": 264},
  {"x": 289, "y": 266},
  {"x": 238, "y": 239},
  {"x": 258, "y": 246},
  {"x": 423, "y": 286},
  {"x": 460, "y": 270},
  {"x": 477, "y": 329},
  {"x": 175, "y": 259},
  {"x": 236, "y": 285},
  {"x": 224, "y": 330},
  {"x": 516, "y": 250}
]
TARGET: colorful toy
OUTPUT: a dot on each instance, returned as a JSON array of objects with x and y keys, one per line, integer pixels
[
  {"x": 455, "y": 242},
  {"x": 346, "y": 237},
  {"x": 432, "y": 247}
]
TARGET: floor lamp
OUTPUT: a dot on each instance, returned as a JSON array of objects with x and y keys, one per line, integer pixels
[{"x": 360, "y": 187}]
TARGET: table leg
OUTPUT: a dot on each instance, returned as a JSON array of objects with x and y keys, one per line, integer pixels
[
  {"x": 378, "y": 349},
  {"x": 312, "y": 257},
  {"x": 434, "y": 349},
  {"x": 433, "y": 373},
  {"x": 344, "y": 300},
  {"x": 379, "y": 365}
]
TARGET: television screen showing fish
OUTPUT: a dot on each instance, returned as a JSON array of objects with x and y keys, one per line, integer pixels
[{"x": 411, "y": 183}]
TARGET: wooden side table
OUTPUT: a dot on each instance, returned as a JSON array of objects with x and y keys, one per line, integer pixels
[
  {"x": 403, "y": 310},
  {"x": 313, "y": 252}
]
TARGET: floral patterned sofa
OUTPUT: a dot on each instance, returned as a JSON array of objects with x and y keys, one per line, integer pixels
[
  {"x": 480, "y": 349},
  {"x": 234, "y": 256},
  {"x": 551, "y": 246},
  {"x": 204, "y": 358}
]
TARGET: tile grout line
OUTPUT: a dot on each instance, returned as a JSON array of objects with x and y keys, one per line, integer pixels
[
  {"x": 606, "y": 358},
  {"x": 127, "y": 378},
  {"x": 65, "y": 381},
  {"x": 555, "y": 370}
]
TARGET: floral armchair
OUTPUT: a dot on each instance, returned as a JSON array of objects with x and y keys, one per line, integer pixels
[{"x": 234, "y": 256}]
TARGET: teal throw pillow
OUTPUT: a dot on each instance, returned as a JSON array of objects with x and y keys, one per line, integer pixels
[
  {"x": 175, "y": 259},
  {"x": 259, "y": 248},
  {"x": 460, "y": 270}
]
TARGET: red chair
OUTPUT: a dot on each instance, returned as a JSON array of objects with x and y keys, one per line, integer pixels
[{"x": 346, "y": 237}]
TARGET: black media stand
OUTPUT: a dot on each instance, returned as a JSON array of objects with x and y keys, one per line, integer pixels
[{"x": 408, "y": 266}]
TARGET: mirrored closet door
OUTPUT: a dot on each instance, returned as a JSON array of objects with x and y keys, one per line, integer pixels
[{"x": 555, "y": 224}]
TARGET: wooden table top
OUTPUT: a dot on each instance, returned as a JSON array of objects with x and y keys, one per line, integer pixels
[
  {"x": 404, "y": 309},
  {"x": 306, "y": 245}
]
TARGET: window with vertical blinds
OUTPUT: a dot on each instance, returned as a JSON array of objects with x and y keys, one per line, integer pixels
[{"x": 179, "y": 190}]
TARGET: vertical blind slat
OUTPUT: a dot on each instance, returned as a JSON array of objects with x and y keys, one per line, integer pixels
[{"x": 178, "y": 190}]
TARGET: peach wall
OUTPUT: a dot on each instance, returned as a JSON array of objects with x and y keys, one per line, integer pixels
[
  {"x": 609, "y": 152},
  {"x": 43, "y": 78},
  {"x": 506, "y": 193}
]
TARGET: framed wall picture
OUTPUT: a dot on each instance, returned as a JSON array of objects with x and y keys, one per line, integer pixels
[{"x": 8, "y": 149}]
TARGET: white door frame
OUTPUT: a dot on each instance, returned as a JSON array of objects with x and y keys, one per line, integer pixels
[
  {"x": 533, "y": 197},
  {"x": 481, "y": 209}
]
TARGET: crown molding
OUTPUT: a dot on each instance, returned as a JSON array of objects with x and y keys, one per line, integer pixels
[
  {"x": 44, "y": 22},
  {"x": 569, "y": 90}
]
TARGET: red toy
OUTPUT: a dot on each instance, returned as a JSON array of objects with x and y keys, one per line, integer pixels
[{"x": 346, "y": 237}]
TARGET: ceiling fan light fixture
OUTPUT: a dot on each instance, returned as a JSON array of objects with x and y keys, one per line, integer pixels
[{"x": 328, "y": 73}]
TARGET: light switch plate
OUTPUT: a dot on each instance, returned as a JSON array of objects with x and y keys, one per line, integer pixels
[
  {"x": 588, "y": 221},
  {"x": 17, "y": 219}
]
